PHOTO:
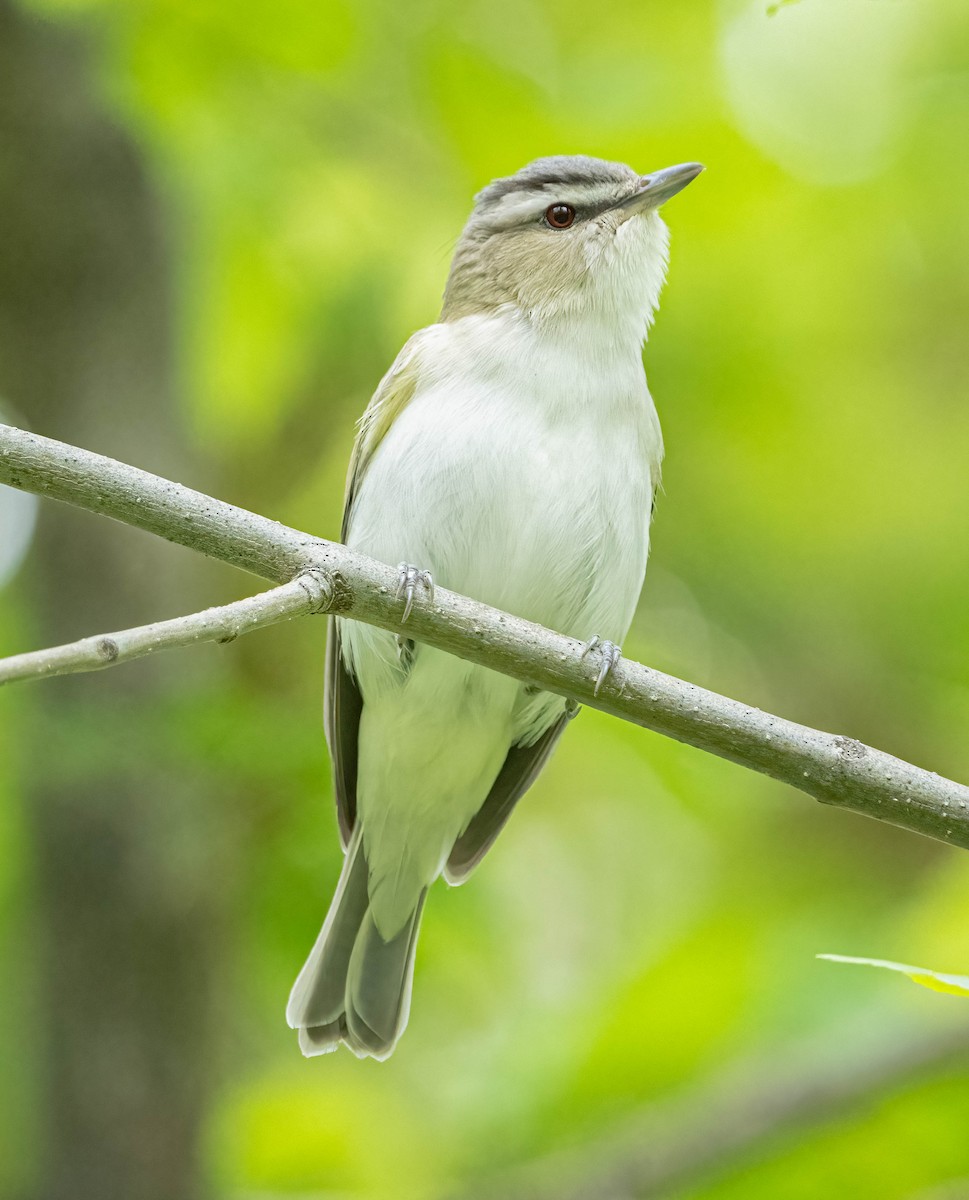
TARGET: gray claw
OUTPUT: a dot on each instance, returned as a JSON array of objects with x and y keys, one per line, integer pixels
[
  {"x": 611, "y": 654},
  {"x": 408, "y": 579}
]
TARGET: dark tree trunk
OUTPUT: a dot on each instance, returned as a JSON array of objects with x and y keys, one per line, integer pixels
[{"x": 126, "y": 910}]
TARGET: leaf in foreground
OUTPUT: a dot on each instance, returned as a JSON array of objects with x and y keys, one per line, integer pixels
[{"x": 955, "y": 985}]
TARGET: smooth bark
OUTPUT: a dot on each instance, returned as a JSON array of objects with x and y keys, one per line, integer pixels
[{"x": 833, "y": 768}]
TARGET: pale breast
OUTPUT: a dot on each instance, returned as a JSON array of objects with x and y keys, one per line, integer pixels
[{"x": 520, "y": 473}]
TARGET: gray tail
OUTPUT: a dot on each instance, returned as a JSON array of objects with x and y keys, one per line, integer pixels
[{"x": 355, "y": 987}]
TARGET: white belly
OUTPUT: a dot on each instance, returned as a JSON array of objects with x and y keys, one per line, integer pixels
[{"x": 529, "y": 490}]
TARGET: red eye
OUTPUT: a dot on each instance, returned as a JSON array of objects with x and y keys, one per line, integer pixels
[{"x": 560, "y": 216}]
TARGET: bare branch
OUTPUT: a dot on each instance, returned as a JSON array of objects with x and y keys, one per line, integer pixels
[
  {"x": 308, "y": 593},
  {"x": 833, "y": 769}
]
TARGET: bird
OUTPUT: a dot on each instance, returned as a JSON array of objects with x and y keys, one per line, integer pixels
[{"x": 510, "y": 454}]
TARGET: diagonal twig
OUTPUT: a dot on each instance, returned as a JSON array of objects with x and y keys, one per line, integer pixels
[
  {"x": 307, "y": 593},
  {"x": 834, "y": 769}
]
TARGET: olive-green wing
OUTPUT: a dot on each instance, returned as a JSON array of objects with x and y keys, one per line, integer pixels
[
  {"x": 519, "y": 771},
  {"x": 342, "y": 700},
  {"x": 393, "y": 394}
]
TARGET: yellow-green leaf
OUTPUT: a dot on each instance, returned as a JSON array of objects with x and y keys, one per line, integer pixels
[{"x": 955, "y": 985}]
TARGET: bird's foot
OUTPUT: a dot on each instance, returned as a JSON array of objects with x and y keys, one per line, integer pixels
[
  {"x": 408, "y": 578},
  {"x": 610, "y": 654}
]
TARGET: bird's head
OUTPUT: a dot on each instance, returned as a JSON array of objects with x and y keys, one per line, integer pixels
[{"x": 571, "y": 237}]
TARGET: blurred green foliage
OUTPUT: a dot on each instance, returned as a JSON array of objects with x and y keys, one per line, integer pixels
[{"x": 650, "y": 915}]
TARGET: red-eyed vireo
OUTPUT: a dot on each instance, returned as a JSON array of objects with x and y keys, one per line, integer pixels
[{"x": 511, "y": 454}]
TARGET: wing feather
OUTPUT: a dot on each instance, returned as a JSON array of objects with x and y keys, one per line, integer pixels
[
  {"x": 393, "y": 394},
  {"x": 342, "y": 699},
  {"x": 519, "y": 771},
  {"x": 342, "y": 706}
]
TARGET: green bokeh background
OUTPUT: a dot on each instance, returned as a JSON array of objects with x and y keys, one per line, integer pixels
[{"x": 649, "y": 920}]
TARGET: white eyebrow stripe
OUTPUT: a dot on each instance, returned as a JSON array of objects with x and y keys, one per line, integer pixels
[{"x": 529, "y": 203}]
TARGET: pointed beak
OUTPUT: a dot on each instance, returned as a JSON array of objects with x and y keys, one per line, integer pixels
[{"x": 658, "y": 187}]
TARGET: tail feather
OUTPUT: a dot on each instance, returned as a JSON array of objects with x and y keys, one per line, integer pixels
[
  {"x": 355, "y": 986},
  {"x": 321, "y": 1039},
  {"x": 379, "y": 984},
  {"x": 317, "y": 995}
]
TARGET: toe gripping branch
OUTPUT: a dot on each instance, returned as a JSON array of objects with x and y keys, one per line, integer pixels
[
  {"x": 408, "y": 577},
  {"x": 610, "y": 654}
]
